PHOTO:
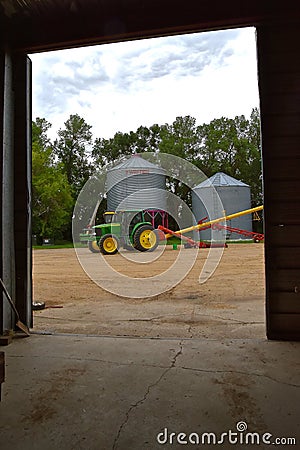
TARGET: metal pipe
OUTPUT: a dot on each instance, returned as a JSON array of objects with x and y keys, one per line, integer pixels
[
  {"x": 220, "y": 219},
  {"x": 175, "y": 233}
]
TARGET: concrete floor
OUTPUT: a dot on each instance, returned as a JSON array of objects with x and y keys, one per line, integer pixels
[{"x": 77, "y": 392}]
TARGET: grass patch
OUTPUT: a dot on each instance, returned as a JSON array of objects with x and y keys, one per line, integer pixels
[{"x": 57, "y": 246}]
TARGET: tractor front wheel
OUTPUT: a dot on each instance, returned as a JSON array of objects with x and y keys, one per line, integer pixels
[
  {"x": 109, "y": 244},
  {"x": 145, "y": 239}
]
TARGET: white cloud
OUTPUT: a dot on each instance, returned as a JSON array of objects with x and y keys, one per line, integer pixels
[{"x": 118, "y": 87}]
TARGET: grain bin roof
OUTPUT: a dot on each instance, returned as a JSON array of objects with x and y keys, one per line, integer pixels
[
  {"x": 137, "y": 165},
  {"x": 221, "y": 179}
]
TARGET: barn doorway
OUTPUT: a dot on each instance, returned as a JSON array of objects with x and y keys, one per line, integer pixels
[{"x": 216, "y": 70}]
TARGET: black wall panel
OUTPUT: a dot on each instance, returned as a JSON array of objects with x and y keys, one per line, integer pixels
[
  {"x": 2, "y": 59},
  {"x": 279, "y": 85}
]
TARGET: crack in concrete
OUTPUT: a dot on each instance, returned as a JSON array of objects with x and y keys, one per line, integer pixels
[
  {"x": 242, "y": 322},
  {"x": 239, "y": 373},
  {"x": 144, "y": 398},
  {"x": 177, "y": 355},
  {"x": 151, "y": 319}
]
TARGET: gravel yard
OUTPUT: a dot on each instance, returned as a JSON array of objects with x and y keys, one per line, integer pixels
[{"x": 229, "y": 305}]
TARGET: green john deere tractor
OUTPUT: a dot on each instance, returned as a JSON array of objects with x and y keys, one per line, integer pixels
[{"x": 127, "y": 229}]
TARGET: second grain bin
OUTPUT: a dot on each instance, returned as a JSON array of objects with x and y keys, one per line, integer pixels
[
  {"x": 136, "y": 184},
  {"x": 234, "y": 195}
]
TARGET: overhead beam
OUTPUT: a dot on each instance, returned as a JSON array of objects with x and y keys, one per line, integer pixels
[{"x": 50, "y": 25}]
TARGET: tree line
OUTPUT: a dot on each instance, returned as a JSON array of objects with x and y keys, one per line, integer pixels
[{"x": 61, "y": 167}]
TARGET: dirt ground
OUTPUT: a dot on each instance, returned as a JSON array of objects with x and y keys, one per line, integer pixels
[{"x": 229, "y": 305}]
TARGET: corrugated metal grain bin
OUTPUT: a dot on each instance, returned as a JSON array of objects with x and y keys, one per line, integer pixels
[
  {"x": 235, "y": 196},
  {"x": 136, "y": 184}
]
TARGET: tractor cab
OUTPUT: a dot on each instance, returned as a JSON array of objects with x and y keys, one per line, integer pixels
[
  {"x": 126, "y": 220},
  {"x": 129, "y": 220},
  {"x": 108, "y": 216}
]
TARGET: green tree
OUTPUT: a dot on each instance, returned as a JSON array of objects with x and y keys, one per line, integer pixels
[
  {"x": 233, "y": 146},
  {"x": 73, "y": 151},
  {"x": 51, "y": 194},
  {"x": 144, "y": 139},
  {"x": 254, "y": 158},
  {"x": 106, "y": 151},
  {"x": 148, "y": 139},
  {"x": 180, "y": 139}
]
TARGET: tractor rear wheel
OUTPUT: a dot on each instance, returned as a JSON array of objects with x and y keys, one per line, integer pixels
[
  {"x": 93, "y": 246},
  {"x": 145, "y": 239},
  {"x": 109, "y": 244}
]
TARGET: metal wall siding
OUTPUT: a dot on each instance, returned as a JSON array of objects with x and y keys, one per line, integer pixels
[
  {"x": 237, "y": 199},
  {"x": 138, "y": 192},
  {"x": 136, "y": 184},
  {"x": 234, "y": 199},
  {"x": 279, "y": 69}
]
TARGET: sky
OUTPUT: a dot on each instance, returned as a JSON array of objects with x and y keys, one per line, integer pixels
[{"x": 121, "y": 86}]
